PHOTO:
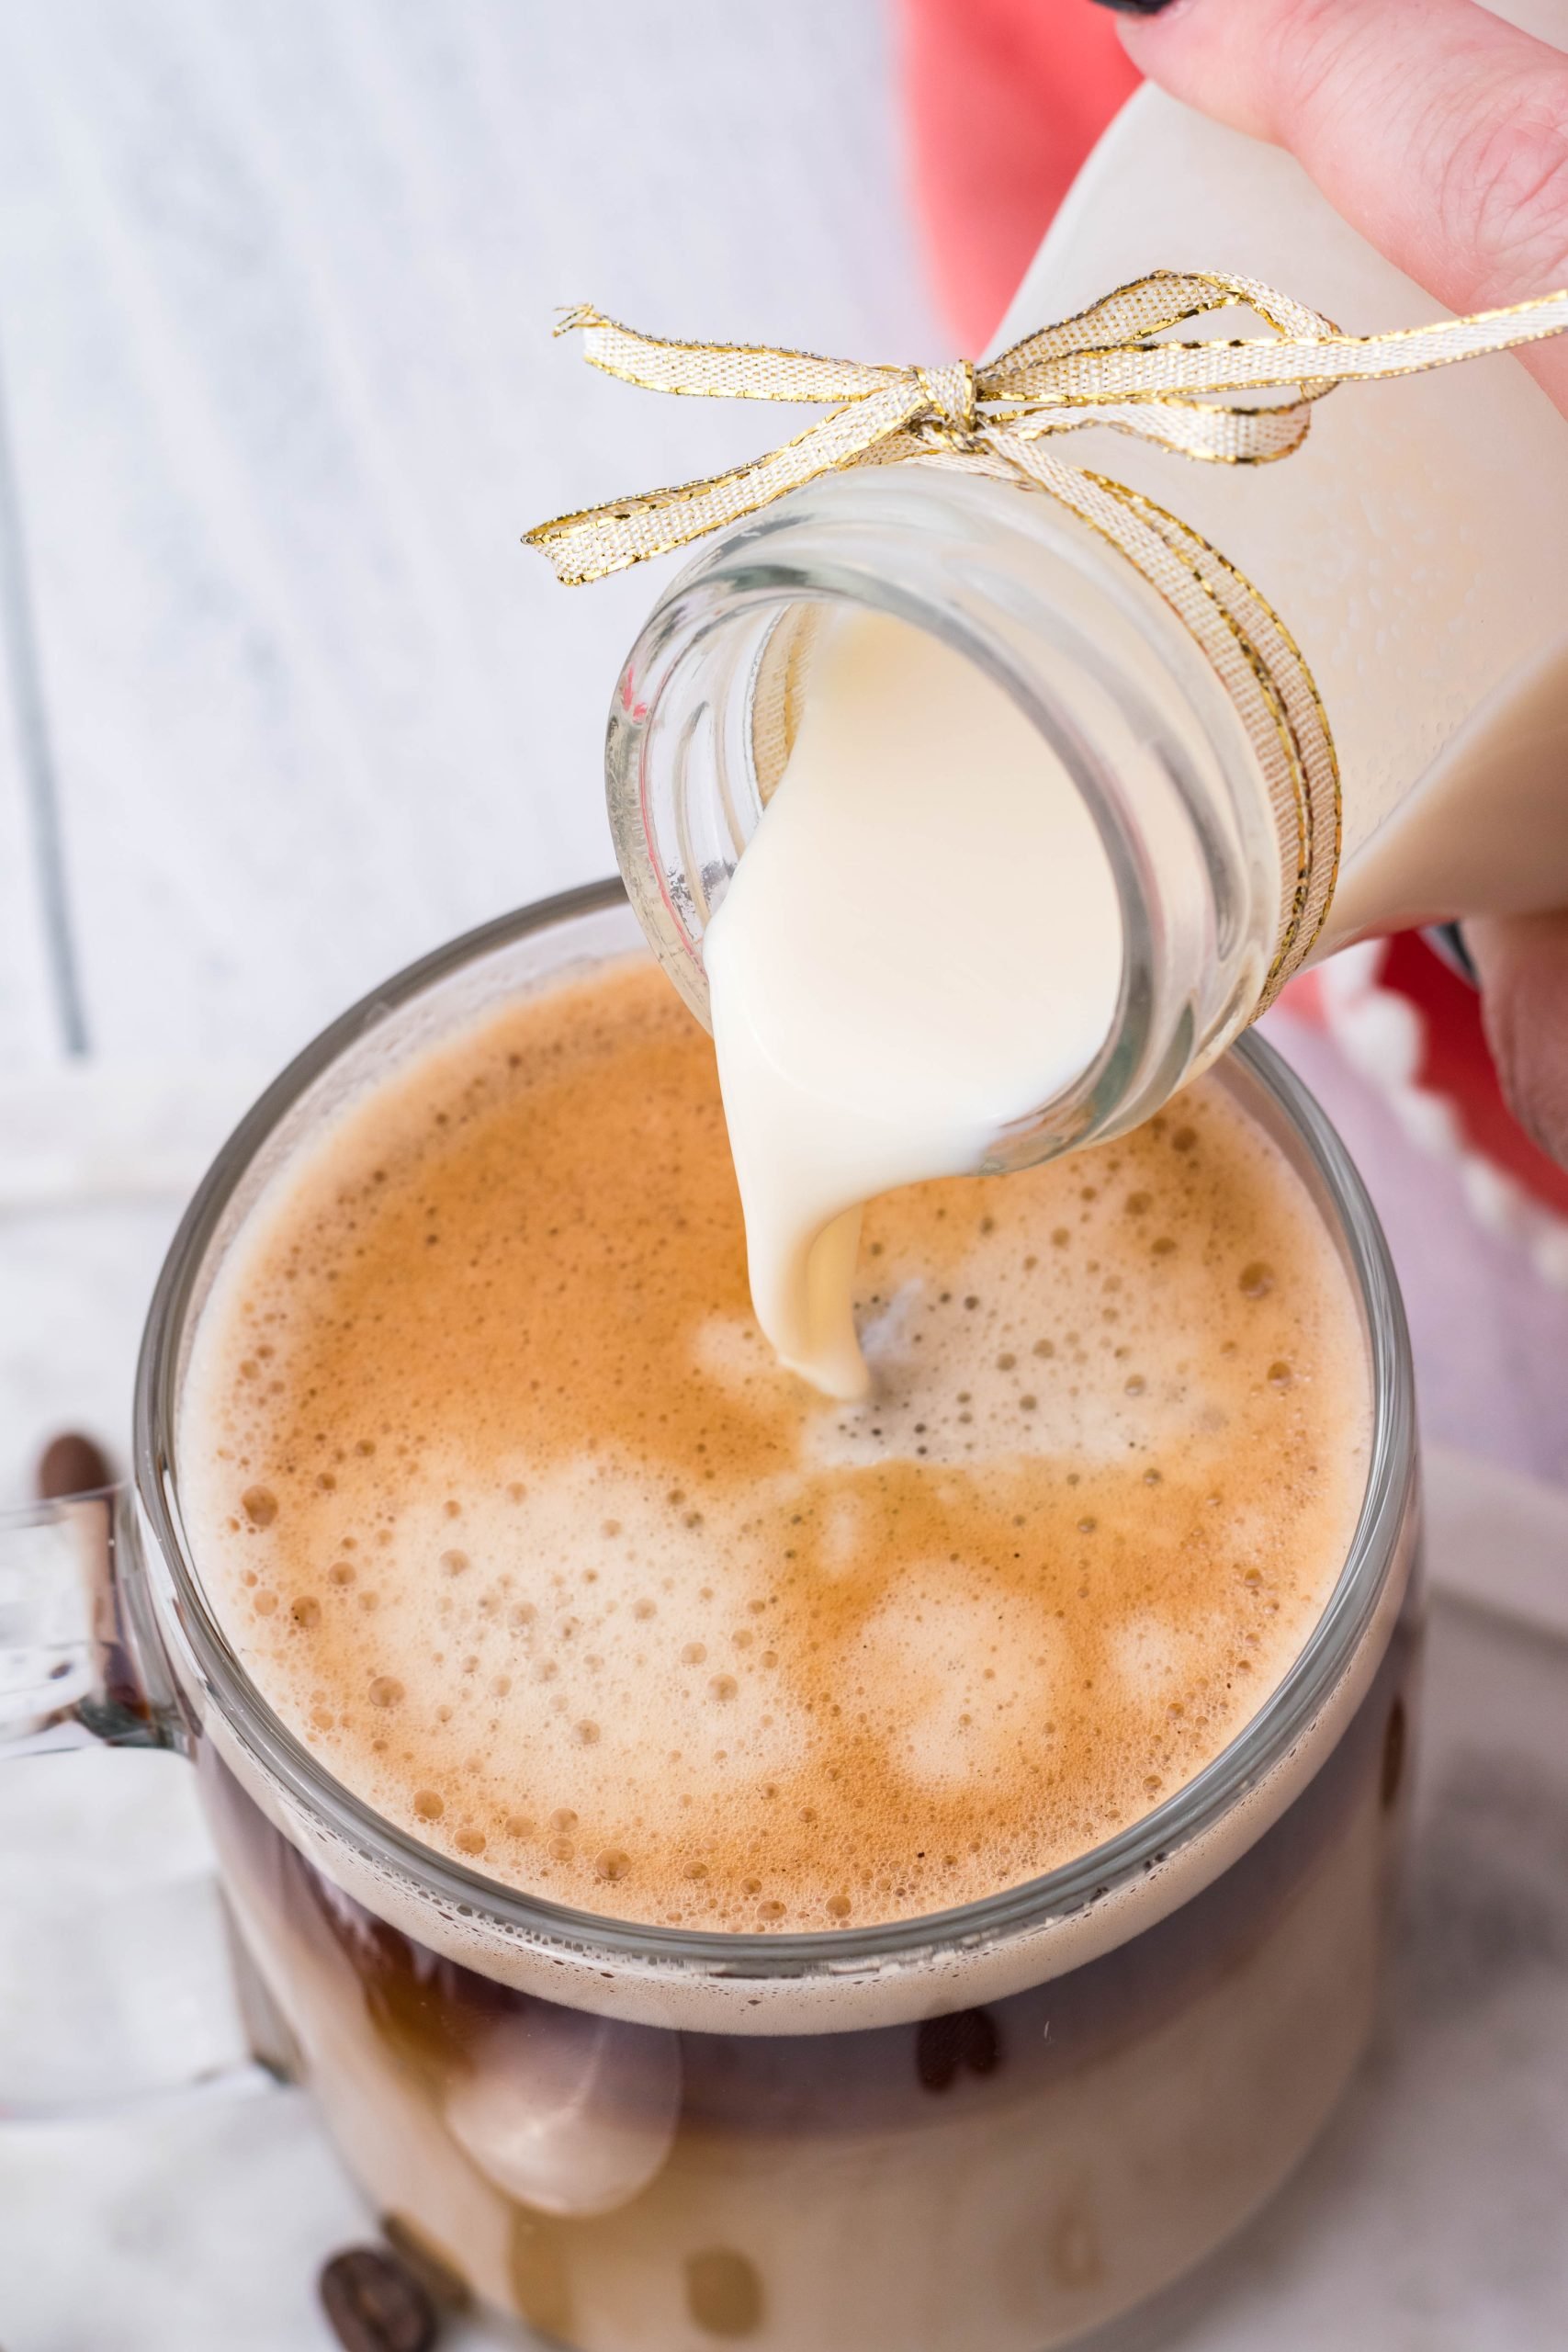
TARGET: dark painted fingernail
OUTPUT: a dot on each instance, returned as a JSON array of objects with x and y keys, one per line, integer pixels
[
  {"x": 1446, "y": 941},
  {"x": 1134, "y": 7}
]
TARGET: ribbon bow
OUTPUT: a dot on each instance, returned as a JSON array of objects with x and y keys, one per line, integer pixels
[
  {"x": 1097, "y": 369},
  {"x": 1100, "y": 367}
]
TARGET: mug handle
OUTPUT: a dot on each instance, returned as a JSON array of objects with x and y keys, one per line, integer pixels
[{"x": 74, "y": 1675}]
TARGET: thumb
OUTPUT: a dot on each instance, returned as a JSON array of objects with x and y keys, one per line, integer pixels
[
  {"x": 1436, "y": 129},
  {"x": 1522, "y": 961}
]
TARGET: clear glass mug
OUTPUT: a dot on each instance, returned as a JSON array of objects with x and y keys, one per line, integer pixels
[{"x": 1006, "y": 2124}]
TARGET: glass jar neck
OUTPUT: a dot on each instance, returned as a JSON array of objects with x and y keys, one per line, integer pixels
[{"x": 1126, "y": 701}]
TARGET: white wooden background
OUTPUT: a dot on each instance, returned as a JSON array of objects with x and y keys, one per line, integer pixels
[{"x": 275, "y": 290}]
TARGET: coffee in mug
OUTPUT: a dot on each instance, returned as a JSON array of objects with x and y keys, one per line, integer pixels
[{"x": 895, "y": 1873}]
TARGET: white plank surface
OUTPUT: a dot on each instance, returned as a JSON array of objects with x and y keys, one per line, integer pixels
[{"x": 276, "y": 285}]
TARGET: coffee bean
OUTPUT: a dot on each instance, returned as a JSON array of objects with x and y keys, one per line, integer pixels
[
  {"x": 375, "y": 2303},
  {"x": 1395, "y": 1742},
  {"x": 723, "y": 2293},
  {"x": 71, "y": 1464},
  {"x": 936, "y": 2052},
  {"x": 963, "y": 2038}
]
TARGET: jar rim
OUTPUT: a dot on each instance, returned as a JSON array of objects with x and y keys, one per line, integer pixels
[
  {"x": 1131, "y": 707},
  {"x": 1370, "y": 1560}
]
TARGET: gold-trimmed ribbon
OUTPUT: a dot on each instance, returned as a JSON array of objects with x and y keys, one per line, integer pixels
[{"x": 1100, "y": 367}]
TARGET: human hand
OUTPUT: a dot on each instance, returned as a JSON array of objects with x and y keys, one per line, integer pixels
[{"x": 1441, "y": 134}]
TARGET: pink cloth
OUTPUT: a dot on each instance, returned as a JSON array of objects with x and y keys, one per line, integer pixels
[{"x": 1006, "y": 98}]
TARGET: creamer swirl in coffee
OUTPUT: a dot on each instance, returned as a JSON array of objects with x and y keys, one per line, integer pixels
[{"x": 516, "y": 1520}]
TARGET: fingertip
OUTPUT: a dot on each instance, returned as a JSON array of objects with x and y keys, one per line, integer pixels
[
  {"x": 1523, "y": 965},
  {"x": 1179, "y": 44}
]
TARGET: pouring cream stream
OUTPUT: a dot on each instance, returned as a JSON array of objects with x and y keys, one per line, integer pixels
[{"x": 921, "y": 943}]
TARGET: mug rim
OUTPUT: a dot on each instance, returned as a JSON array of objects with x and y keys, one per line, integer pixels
[{"x": 1181, "y": 1818}]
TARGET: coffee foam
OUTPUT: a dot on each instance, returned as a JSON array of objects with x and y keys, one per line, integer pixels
[{"x": 507, "y": 1509}]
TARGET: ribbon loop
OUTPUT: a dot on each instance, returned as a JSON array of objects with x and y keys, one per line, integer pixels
[{"x": 1105, "y": 366}]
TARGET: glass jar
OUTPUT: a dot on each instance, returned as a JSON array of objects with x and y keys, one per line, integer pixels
[{"x": 704, "y": 715}]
